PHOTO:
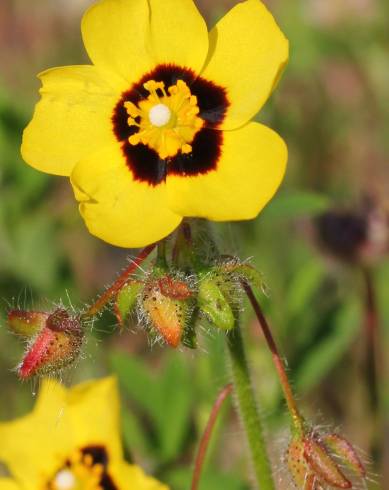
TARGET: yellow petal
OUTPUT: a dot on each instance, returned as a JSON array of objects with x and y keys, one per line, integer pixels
[
  {"x": 93, "y": 410},
  {"x": 130, "y": 476},
  {"x": 8, "y": 484},
  {"x": 247, "y": 55},
  {"x": 249, "y": 171},
  {"x": 179, "y": 34},
  {"x": 33, "y": 446},
  {"x": 117, "y": 208},
  {"x": 72, "y": 118},
  {"x": 116, "y": 35}
]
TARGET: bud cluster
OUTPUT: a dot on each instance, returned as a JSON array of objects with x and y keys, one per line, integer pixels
[
  {"x": 318, "y": 461},
  {"x": 54, "y": 340},
  {"x": 171, "y": 304}
]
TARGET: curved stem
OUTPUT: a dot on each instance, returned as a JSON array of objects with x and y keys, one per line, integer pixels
[
  {"x": 119, "y": 283},
  {"x": 204, "y": 443},
  {"x": 297, "y": 419},
  {"x": 248, "y": 409}
]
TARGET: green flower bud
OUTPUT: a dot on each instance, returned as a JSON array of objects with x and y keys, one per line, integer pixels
[
  {"x": 213, "y": 303},
  {"x": 126, "y": 301}
]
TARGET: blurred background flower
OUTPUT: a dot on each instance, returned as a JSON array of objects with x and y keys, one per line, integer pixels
[
  {"x": 332, "y": 108},
  {"x": 70, "y": 441}
]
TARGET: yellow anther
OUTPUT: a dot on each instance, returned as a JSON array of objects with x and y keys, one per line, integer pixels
[
  {"x": 186, "y": 149},
  {"x": 134, "y": 139},
  {"x": 168, "y": 121},
  {"x": 88, "y": 460},
  {"x": 153, "y": 86},
  {"x": 132, "y": 109}
]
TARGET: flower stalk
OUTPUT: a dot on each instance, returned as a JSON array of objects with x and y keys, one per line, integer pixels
[
  {"x": 297, "y": 420},
  {"x": 248, "y": 410},
  {"x": 204, "y": 443}
]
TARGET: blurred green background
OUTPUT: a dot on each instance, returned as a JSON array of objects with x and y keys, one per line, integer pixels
[{"x": 332, "y": 108}]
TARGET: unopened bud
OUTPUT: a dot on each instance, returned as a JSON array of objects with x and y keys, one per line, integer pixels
[
  {"x": 167, "y": 314},
  {"x": 323, "y": 464},
  {"x": 126, "y": 301},
  {"x": 313, "y": 461},
  {"x": 55, "y": 346},
  {"x": 213, "y": 303},
  {"x": 26, "y": 323}
]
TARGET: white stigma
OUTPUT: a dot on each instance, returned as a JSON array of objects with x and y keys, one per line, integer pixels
[
  {"x": 160, "y": 115},
  {"x": 65, "y": 480}
]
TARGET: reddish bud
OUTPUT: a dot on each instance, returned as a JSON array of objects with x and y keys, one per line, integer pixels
[
  {"x": 167, "y": 304},
  {"x": 323, "y": 465},
  {"x": 312, "y": 461},
  {"x": 26, "y": 323},
  {"x": 56, "y": 345},
  {"x": 166, "y": 315}
]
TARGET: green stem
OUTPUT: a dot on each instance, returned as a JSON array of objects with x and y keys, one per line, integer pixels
[{"x": 248, "y": 410}]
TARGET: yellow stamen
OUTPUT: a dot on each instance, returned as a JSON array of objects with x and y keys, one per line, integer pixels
[
  {"x": 168, "y": 120},
  {"x": 79, "y": 473}
]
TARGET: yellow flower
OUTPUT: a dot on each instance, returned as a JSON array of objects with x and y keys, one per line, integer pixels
[
  {"x": 70, "y": 441},
  {"x": 158, "y": 128}
]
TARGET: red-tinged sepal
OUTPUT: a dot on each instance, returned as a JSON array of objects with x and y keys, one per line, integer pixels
[
  {"x": 56, "y": 345},
  {"x": 345, "y": 451},
  {"x": 26, "y": 323},
  {"x": 174, "y": 288},
  {"x": 323, "y": 465}
]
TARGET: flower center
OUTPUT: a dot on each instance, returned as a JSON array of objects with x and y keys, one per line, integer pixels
[
  {"x": 167, "y": 121},
  {"x": 160, "y": 115},
  {"x": 80, "y": 472},
  {"x": 65, "y": 480}
]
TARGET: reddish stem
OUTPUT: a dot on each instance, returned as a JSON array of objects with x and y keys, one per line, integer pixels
[
  {"x": 278, "y": 362},
  {"x": 120, "y": 282},
  {"x": 204, "y": 443}
]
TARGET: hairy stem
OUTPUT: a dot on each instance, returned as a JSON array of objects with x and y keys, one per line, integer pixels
[
  {"x": 371, "y": 329},
  {"x": 248, "y": 410},
  {"x": 119, "y": 283},
  {"x": 204, "y": 443},
  {"x": 297, "y": 420}
]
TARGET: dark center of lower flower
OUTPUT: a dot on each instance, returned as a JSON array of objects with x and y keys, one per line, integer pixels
[{"x": 86, "y": 469}]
